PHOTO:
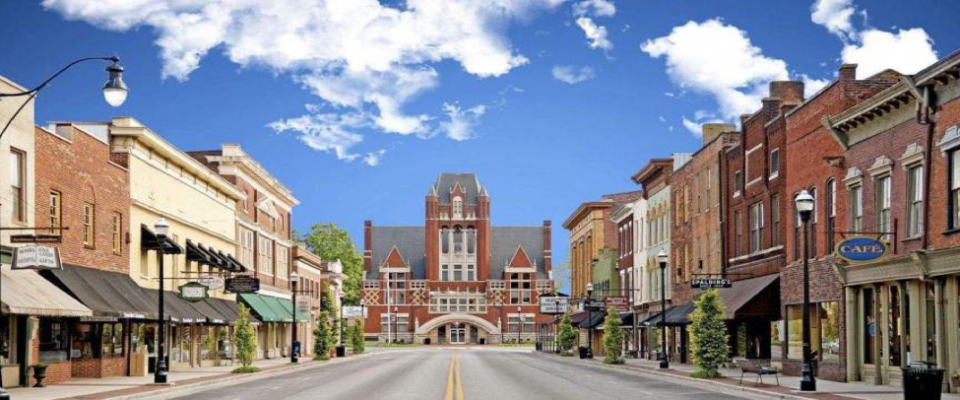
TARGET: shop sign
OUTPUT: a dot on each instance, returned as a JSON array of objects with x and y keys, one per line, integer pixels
[
  {"x": 619, "y": 303},
  {"x": 36, "y": 257},
  {"x": 593, "y": 304},
  {"x": 554, "y": 304},
  {"x": 354, "y": 312},
  {"x": 710, "y": 283},
  {"x": 41, "y": 238},
  {"x": 193, "y": 292},
  {"x": 212, "y": 282},
  {"x": 303, "y": 305},
  {"x": 243, "y": 284},
  {"x": 860, "y": 249}
]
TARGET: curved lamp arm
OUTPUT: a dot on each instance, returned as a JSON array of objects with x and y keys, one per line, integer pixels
[{"x": 54, "y": 76}]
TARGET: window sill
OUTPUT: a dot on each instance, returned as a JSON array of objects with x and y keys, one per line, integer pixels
[
  {"x": 951, "y": 231},
  {"x": 911, "y": 238}
]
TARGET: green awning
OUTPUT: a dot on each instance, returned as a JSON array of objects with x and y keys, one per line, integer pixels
[
  {"x": 288, "y": 308},
  {"x": 260, "y": 306},
  {"x": 274, "y": 304}
]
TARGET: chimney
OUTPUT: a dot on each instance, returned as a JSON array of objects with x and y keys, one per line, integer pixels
[
  {"x": 712, "y": 130},
  {"x": 847, "y": 72},
  {"x": 787, "y": 91},
  {"x": 367, "y": 245},
  {"x": 547, "y": 252}
]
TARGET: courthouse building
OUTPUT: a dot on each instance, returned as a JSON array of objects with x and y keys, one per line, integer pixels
[{"x": 457, "y": 279}]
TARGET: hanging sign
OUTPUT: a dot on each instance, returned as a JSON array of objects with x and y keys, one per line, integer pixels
[
  {"x": 36, "y": 257},
  {"x": 35, "y": 238},
  {"x": 243, "y": 284},
  {"x": 860, "y": 249},
  {"x": 554, "y": 304},
  {"x": 212, "y": 282},
  {"x": 304, "y": 304},
  {"x": 193, "y": 292},
  {"x": 711, "y": 283},
  {"x": 354, "y": 312}
]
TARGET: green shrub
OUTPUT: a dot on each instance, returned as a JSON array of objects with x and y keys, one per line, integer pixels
[
  {"x": 708, "y": 334},
  {"x": 612, "y": 338}
]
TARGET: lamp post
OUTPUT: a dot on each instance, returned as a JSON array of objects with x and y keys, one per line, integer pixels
[
  {"x": 520, "y": 328},
  {"x": 589, "y": 308},
  {"x": 294, "y": 280},
  {"x": 805, "y": 205},
  {"x": 160, "y": 374},
  {"x": 662, "y": 260}
]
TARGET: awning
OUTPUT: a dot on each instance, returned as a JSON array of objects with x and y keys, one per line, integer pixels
[
  {"x": 288, "y": 308},
  {"x": 176, "y": 309},
  {"x": 106, "y": 293},
  {"x": 626, "y": 319},
  {"x": 230, "y": 310},
  {"x": 213, "y": 315},
  {"x": 593, "y": 319},
  {"x": 194, "y": 254},
  {"x": 679, "y": 315},
  {"x": 278, "y": 308},
  {"x": 149, "y": 241},
  {"x": 753, "y": 298},
  {"x": 26, "y": 292},
  {"x": 264, "y": 311}
]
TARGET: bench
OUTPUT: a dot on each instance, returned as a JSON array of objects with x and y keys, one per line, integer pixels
[{"x": 758, "y": 367}]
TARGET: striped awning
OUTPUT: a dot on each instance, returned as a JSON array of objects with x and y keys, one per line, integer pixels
[{"x": 27, "y": 293}]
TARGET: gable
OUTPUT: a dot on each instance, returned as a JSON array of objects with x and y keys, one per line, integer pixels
[{"x": 520, "y": 259}]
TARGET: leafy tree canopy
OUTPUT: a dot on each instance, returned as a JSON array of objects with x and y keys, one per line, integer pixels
[{"x": 332, "y": 242}]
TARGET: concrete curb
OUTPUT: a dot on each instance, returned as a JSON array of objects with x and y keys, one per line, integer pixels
[
  {"x": 702, "y": 383},
  {"x": 219, "y": 380}
]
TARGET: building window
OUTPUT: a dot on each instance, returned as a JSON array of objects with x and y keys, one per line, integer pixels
[
  {"x": 445, "y": 240},
  {"x": 774, "y": 163},
  {"x": 88, "y": 222},
  {"x": 520, "y": 286},
  {"x": 471, "y": 272},
  {"x": 756, "y": 227},
  {"x": 18, "y": 178},
  {"x": 448, "y": 304},
  {"x": 246, "y": 247},
  {"x": 869, "y": 325},
  {"x": 831, "y": 213},
  {"x": 265, "y": 265},
  {"x": 56, "y": 212},
  {"x": 797, "y": 223},
  {"x": 824, "y": 331},
  {"x": 914, "y": 201},
  {"x": 117, "y": 233},
  {"x": 775, "y": 220},
  {"x": 856, "y": 208},
  {"x": 457, "y": 240},
  {"x": 812, "y": 242},
  {"x": 709, "y": 200},
  {"x": 738, "y": 221},
  {"x": 954, "y": 201},
  {"x": 397, "y": 285},
  {"x": 471, "y": 240},
  {"x": 738, "y": 183},
  {"x": 282, "y": 262},
  {"x": 399, "y": 324},
  {"x": 517, "y": 322},
  {"x": 444, "y": 272},
  {"x": 457, "y": 207},
  {"x": 882, "y": 194},
  {"x": 457, "y": 272}
]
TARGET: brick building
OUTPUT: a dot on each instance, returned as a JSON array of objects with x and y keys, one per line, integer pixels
[
  {"x": 815, "y": 163},
  {"x": 457, "y": 279}
]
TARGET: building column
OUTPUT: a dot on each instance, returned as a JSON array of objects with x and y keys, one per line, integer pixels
[
  {"x": 939, "y": 316},
  {"x": 918, "y": 327},
  {"x": 854, "y": 361},
  {"x": 952, "y": 309}
]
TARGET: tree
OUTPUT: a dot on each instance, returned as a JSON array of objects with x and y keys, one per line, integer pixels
[
  {"x": 246, "y": 340},
  {"x": 567, "y": 337},
  {"x": 612, "y": 338},
  {"x": 331, "y": 242},
  {"x": 323, "y": 337},
  {"x": 356, "y": 337},
  {"x": 709, "y": 342}
]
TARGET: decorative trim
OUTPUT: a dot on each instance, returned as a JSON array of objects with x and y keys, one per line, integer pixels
[
  {"x": 882, "y": 166},
  {"x": 912, "y": 156},
  {"x": 951, "y": 140},
  {"x": 854, "y": 177}
]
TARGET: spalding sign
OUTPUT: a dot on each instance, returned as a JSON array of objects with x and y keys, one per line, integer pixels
[{"x": 861, "y": 249}]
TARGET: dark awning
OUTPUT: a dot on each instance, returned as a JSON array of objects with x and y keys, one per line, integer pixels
[
  {"x": 753, "y": 298},
  {"x": 230, "y": 310},
  {"x": 212, "y": 314},
  {"x": 106, "y": 293},
  {"x": 627, "y": 319},
  {"x": 176, "y": 309},
  {"x": 194, "y": 254},
  {"x": 593, "y": 320},
  {"x": 149, "y": 241},
  {"x": 236, "y": 264},
  {"x": 679, "y": 315}
]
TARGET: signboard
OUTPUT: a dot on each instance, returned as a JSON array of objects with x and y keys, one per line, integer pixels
[
  {"x": 554, "y": 305},
  {"x": 303, "y": 305},
  {"x": 860, "y": 249},
  {"x": 212, "y": 282},
  {"x": 243, "y": 284},
  {"x": 193, "y": 292},
  {"x": 621, "y": 304},
  {"x": 35, "y": 239},
  {"x": 593, "y": 304},
  {"x": 36, "y": 257},
  {"x": 356, "y": 312},
  {"x": 710, "y": 283}
]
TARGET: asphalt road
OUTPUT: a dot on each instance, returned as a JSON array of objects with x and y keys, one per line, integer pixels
[{"x": 457, "y": 374}]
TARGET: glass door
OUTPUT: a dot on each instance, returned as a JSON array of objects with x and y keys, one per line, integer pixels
[{"x": 458, "y": 334}]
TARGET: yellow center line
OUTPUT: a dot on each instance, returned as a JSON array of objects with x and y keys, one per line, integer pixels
[
  {"x": 449, "y": 393},
  {"x": 459, "y": 380},
  {"x": 454, "y": 383}
]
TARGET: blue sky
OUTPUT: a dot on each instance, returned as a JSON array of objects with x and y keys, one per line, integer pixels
[{"x": 529, "y": 94}]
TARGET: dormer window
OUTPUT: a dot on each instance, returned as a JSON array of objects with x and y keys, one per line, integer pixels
[{"x": 457, "y": 207}]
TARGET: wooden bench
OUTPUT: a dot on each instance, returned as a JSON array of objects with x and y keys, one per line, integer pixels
[{"x": 758, "y": 367}]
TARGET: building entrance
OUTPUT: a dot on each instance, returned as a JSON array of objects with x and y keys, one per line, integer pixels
[{"x": 458, "y": 334}]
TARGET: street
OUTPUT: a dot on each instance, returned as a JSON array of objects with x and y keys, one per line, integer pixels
[{"x": 458, "y": 373}]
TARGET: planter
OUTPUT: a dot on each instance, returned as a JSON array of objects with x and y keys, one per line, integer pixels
[{"x": 39, "y": 373}]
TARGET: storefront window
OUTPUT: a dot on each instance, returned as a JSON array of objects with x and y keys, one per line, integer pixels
[
  {"x": 932, "y": 337},
  {"x": 894, "y": 322},
  {"x": 824, "y": 331},
  {"x": 54, "y": 340},
  {"x": 829, "y": 317},
  {"x": 85, "y": 343},
  {"x": 794, "y": 332},
  {"x": 869, "y": 327},
  {"x": 112, "y": 339},
  {"x": 6, "y": 350}
]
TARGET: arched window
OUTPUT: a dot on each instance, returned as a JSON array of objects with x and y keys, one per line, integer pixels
[
  {"x": 457, "y": 239},
  {"x": 457, "y": 207},
  {"x": 445, "y": 240},
  {"x": 471, "y": 240}
]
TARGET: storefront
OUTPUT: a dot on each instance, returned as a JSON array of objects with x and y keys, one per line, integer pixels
[
  {"x": 275, "y": 314},
  {"x": 903, "y": 310}
]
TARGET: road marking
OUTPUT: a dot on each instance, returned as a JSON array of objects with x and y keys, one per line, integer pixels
[{"x": 454, "y": 383}]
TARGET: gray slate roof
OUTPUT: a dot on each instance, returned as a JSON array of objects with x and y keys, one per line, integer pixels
[
  {"x": 468, "y": 181},
  {"x": 410, "y": 242}
]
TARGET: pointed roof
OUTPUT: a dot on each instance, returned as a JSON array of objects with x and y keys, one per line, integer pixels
[
  {"x": 395, "y": 259},
  {"x": 468, "y": 183},
  {"x": 520, "y": 259}
]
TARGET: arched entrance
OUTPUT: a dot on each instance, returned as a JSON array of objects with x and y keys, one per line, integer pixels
[{"x": 458, "y": 329}]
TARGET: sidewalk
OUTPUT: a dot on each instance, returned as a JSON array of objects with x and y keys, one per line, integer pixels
[
  {"x": 789, "y": 385},
  {"x": 124, "y": 386}
]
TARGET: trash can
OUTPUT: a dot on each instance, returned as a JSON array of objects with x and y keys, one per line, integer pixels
[
  {"x": 427, "y": 340},
  {"x": 922, "y": 380},
  {"x": 583, "y": 351},
  {"x": 482, "y": 340},
  {"x": 341, "y": 351}
]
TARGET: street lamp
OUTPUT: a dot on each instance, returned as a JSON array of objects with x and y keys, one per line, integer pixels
[
  {"x": 662, "y": 260},
  {"x": 520, "y": 319},
  {"x": 805, "y": 205},
  {"x": 294, "y": 279},
  {"x": 161, "y": 228},
  {"x": 589, "y": 308},
  {"x": 114, "y": 90}
]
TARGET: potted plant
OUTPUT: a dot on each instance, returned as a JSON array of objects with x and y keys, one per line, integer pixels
[
  {"x": 955, "y": 379},
  {"x": 39, "y": 373}
]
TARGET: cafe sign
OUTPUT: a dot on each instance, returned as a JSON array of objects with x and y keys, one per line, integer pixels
[
  {"x": 212, "y": 282},
  {"x": 861, "y": 249},
  {"x": 193, "y": 292},
  {"x": 36, "y": 257}
]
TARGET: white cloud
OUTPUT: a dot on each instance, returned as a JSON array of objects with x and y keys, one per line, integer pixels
[
  {"x": 907, "y": 51},
  {"x": 572, "y": 75},
  {"x": 596, "y": 33},
  {"x": 330, "y": 133},
  {"x": 835, "y": 16},
  {"x": 358, "y": 54},
  {"x": 596, "y": 8},
  {"x": 811, "y": 85},
  {"x": 696, "y": 126},
  {"x": 462, "y": 123},
  {"x": 373, "y": 158},
  {"x": 719, "y": 60}
]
